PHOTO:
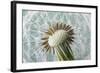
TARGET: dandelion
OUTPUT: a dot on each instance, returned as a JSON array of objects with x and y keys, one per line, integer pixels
[{"x": 59, "y": 38}]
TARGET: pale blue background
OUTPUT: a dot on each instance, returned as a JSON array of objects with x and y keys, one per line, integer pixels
[{"x": 36, "y": 22}]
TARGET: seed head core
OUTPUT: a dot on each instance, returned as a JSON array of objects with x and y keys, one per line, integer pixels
[{"x": 57, "y": 38}]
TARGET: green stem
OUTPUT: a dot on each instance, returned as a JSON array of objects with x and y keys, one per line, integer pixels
[{"x": 64, "y": 52}]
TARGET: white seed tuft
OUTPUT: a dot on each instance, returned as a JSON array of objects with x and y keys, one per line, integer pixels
[{"x": 57, "y": 38}]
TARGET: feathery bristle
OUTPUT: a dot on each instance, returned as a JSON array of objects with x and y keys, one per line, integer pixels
[
  {"x": 45, "y": 42},
  {"x": 44, "y": 38}
]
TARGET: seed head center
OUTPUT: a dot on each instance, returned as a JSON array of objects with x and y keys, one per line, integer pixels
[{"x": 57, "y": 38}]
